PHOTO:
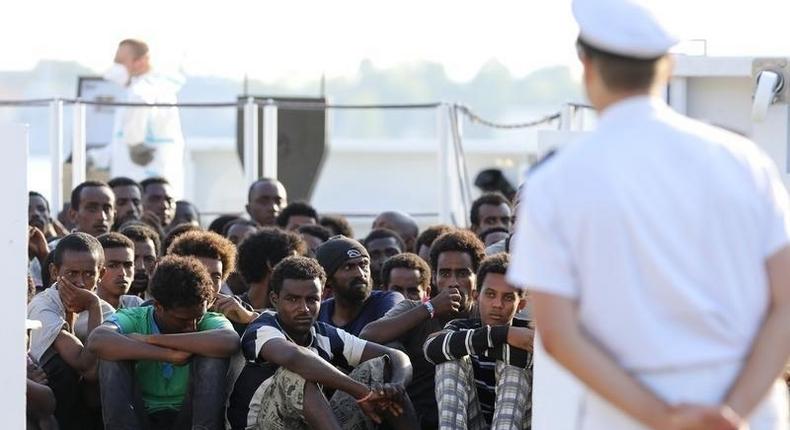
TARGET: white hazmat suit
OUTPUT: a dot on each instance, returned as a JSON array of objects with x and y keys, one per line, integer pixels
[{"x": 158, "y": 128}]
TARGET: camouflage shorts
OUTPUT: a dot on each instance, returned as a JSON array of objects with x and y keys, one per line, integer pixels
[{"x": 283, "y": 400}]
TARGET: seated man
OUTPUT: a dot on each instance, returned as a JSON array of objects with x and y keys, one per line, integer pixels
[
  {"x": 265, "y": 199},
  {"x": 218, "y": 256},
  {"x": 490, "y": 210},
  {"x": 382, "y": 244},
  {"x": 313, "y": 235},
  {"x": 426, "y": 238},
  {"x": 409, "y": 275},
  {"x": 128, "y": 200},
  {"x": 238, "y": 230},
  {"x": 146, "y": 375},
  {"x": 296, "y": 215},
  {"x": 146, "y": 254},
  {"x": 292, "y": 359},
  {"x": 455, "y": 257},
  {"x": 258, "y": 254},
  {"x": 337, "y": 224},
  {"x": 401, "y": 223},
  {"x": 354, "y": 304},
  {"x": 69, "y": 311},
  {"x": 484, "y": 366},
  {"x": 40, "y": 405},
  {"x": 118, "y": 271}
]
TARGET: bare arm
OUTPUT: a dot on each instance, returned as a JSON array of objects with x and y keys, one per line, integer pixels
[
  {"x": 219, "y": 343},
  {"x": 110, "y": 345},
  {"x": 310, "y": 366},
  {"x": 389, "y": 329},
  {"x": 771, "y": 347},
  {"x": 399, "y": 362},
  {"x": 564, "y": 340},
  {"x": 40, "y": 400}
]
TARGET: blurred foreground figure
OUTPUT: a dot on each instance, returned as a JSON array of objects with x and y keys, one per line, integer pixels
[{"x": 666, "y": 240}]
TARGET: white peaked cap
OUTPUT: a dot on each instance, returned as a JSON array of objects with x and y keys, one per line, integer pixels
[{"x": 624, "y": 27}]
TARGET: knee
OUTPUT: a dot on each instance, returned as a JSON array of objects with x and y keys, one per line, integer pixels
[{"x": 210, "y": 365}]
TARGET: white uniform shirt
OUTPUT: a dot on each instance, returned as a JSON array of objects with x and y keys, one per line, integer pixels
[
  {"x": 659, "y": 226},
  {"x": 157, "y": 127}
]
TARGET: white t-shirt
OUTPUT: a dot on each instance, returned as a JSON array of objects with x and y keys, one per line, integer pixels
[
  {"x": 659, "y": 226},
  {"x": 48, "y": 308}
]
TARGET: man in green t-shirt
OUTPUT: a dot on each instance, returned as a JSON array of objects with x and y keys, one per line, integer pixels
[{"x": 164, "y": 366}]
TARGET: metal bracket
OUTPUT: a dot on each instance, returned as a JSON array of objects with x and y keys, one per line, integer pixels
[{"x": 779, "y": 65}]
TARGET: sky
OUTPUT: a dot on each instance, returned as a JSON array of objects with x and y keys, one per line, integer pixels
[{"x": 297, "y": 40}]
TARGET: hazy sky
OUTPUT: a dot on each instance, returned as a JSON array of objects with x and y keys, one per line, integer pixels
[{"x": 301, "y": 39}]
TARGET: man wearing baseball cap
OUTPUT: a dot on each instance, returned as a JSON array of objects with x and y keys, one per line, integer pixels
[
  {"x": 657, "y": 249},
  {"x": 354, "y": 304}
]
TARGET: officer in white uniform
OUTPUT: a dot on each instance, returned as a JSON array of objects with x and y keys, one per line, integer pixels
[
  {"x": 147, "y": 141},
  {"x": 656, "y": 249}
]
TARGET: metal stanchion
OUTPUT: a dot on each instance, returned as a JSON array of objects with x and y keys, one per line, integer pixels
[
  {"x": 270, "y": 139},
  {"x": 78, "y": 146},
  {"x": 56, "y": 155},
  {"x": 251, "y": 141}
]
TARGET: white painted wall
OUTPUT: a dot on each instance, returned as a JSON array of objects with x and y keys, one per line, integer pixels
[{"x": 13, "y": 254}]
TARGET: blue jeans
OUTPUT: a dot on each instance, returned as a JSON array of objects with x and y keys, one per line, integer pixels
[{"x": 204, "y": 403}]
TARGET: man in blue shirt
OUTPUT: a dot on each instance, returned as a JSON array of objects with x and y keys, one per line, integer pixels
[{"x": 354, "y": 305}]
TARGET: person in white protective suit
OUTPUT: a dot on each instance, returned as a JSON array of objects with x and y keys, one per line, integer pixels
[{"x": 147, "y": 141}]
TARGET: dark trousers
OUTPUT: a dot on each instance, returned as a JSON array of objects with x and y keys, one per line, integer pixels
[
  {"x": 71, "y": 411},
  {"x": 203, "y": 407}
]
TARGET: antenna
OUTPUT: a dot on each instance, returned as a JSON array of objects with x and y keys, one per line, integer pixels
[{"x": 245, "y": 88}]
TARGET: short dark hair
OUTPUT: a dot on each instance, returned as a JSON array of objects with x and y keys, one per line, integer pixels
[
  {"x": 181, "y": 282},
  {"x": 175, "y": 233},
  {"x": 301, "y": 268},
  {"x": 296, "y": 208},
  {"x": 145, "y": 183},
  {"x": 486, "y": 232},
  {"x": 123, "y": 181},
  {"x": 32, "y": 194},
  {"x": 76, "y": 193},
  {"x": 383, "y": 233},
  {"x": 238, "y": 221},
  {"x": 262, "y": 250},
  {"x": 220, "y": 222},
  {"x": 460, "y": 241},
  {"x": 430, "y": 234},
  {"x": 406, "y": 260},
  {"x": 620, "y": 72},
  {"x": 494, "y": 199},
  {"x": 141, "y": 233},
  {"x": 316, "y": 230},
  {"x": 206, "y": 244},
  {"x": 78, "y": 242},
  {"x": 497, "y": 263},
  {"x": 258, "y": 181},
  {"x": 114, "y": 240},
  {"x": 337, "y": 224}
]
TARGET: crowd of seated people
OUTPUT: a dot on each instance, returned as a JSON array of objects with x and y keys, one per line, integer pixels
[{"x": 277, "y": 318}]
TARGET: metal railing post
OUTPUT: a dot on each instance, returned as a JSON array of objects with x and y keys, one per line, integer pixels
[
  {"x": 444, "y": 163},
  {"x": 270, "y": 139},
  {"x": 250, "y": 141},
  {"x": 566, "y": 117},
  {"x": 78, "y": 146},
  {"x": 56, "y": 155}
]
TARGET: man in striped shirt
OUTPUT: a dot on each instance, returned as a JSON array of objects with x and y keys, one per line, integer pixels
[
  {"x": 484, "y": 366},
  {"x": 295, "y": 362}
]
